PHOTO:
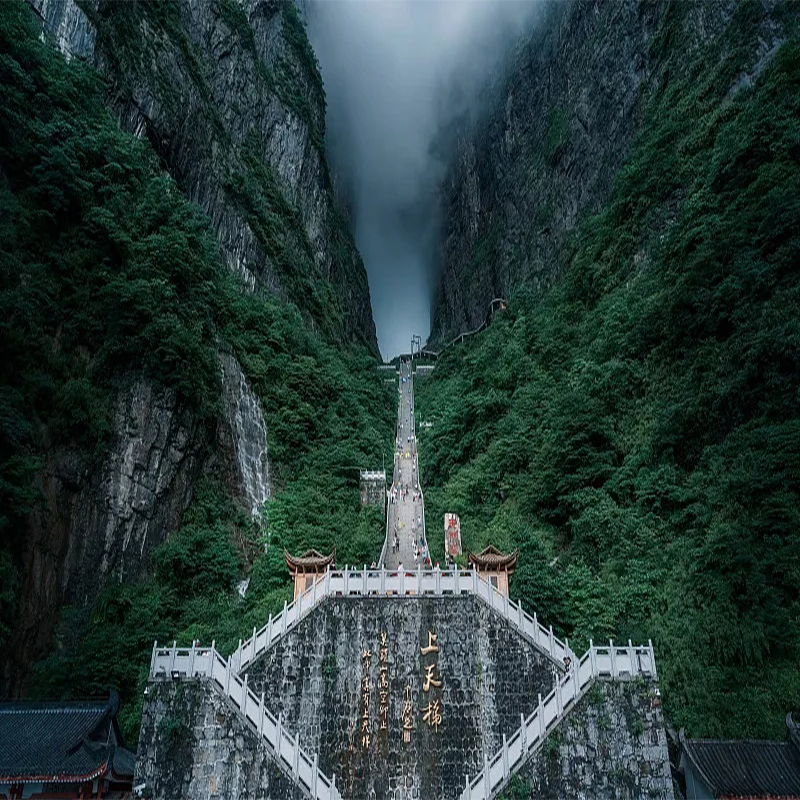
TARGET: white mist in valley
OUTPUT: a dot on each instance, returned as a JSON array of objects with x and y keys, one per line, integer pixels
[{"x": 398, "y": 74}]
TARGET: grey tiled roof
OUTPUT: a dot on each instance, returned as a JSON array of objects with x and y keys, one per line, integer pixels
[
  {"x": 56, "y": 739},
  {"x": 124, "y": 762},
  {"x": 746, "y": 768}
]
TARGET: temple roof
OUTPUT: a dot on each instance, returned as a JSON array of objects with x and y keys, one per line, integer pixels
[
  {"x": 64, "y": 741},
  {"x": 492, "y": 558},
  {"x": 310, "y": 560},
  {"x": 746, "y": 768}
]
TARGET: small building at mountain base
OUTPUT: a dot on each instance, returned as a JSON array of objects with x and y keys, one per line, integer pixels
[
  {"x": 742, "y": 770},
  {"x": 64, "y": 750}
]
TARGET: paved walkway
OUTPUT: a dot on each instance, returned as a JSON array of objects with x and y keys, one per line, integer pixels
[{"x": 406, "y": 514}]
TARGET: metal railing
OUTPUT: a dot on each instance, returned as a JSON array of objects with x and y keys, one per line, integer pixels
[
  {"x": 609, "y": 663},
  {"x": 180, "y": 663},
  {"x": 498, "y": 302},
  {"x": 400, "y": 583}
]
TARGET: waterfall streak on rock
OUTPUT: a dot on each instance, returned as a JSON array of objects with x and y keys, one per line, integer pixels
[{"x": 248, "y": 432}]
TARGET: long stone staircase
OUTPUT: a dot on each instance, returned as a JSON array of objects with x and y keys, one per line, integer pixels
[
  {"x": 178, "y": 663},
  {"x": 574, "y": 677},
  {"x": 598, "y": 663}
]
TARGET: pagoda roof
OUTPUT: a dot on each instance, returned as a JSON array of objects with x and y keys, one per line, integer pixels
[
  {"x": 746, "y": 768},
  {"x": 492, "y": 558},
  {"x": 310, "y": 560},
  {"x": 62, "y": 741}
]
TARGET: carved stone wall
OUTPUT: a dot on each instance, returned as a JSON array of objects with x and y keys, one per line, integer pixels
[
  {"x": 488, "y": 675},
  {"x": 194, "y": 745},
  {"x": 402, "y": 698},
  {"x": 612, "y": 745}
]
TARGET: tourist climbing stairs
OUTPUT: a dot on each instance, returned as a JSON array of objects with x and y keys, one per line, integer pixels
[{"x": 405, "y": 542}]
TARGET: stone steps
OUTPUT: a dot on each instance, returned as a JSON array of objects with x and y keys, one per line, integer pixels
[
  {"x": 176, "y": 663},
  {"x": 598, "y": 663},
  {"x": 393, "y": 584}
]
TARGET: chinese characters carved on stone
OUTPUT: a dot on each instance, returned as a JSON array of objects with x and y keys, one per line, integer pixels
[
  {"x": 408, "y": 711},
  {"x": 383, "y": 684},
  {"x": 432, "y": 712},
  {"x": 366, "y": 660}
]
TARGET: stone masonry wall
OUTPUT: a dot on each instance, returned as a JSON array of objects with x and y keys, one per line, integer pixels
[
  {"x": 314, "y": 676},
  {"x": 193, "y": 745},
  {"x": 611, "y": 745}
]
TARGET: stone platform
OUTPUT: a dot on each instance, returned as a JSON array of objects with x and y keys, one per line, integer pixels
[{"x": 402, "y": 697}]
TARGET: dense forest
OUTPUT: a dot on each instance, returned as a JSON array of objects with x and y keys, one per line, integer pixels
[
  {"x": 634, "y": 430},
  {"x": 107, "y": 273}
]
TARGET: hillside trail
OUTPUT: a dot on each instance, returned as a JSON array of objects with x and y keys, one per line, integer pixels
[{"x": 406, "y": 515}]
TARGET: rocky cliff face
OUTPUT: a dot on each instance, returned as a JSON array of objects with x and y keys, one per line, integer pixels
[
  {"x": 230, "y": 98},
  {"x": 244, "y": 434},
  {"x": 100, "y": 525},
  {"x": 69, "y": 26},
  {"x": 545, "y": 154}
]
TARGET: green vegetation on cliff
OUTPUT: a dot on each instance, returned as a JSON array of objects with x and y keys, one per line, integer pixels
[
  {"x": 107, "y": 273},
  {"x": 157, "y": 54},
  {"x": 635, "y": 431}
]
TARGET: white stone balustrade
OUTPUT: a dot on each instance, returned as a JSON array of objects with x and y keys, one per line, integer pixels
[
  {"x": 394, "y": 583},
  {"x": 606, "y": 662},
  {"x": 177, "y": 663},
  {"x": 610, "y": 662},
  {"x": 382, "y": 559}
]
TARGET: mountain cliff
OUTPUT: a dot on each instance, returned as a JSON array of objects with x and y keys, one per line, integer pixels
[
  {"x": 560, "y": 124},
  {"x": 150, "y": 348},
  {"x": 230, "y": 96},
  {"x": 630, "y": 420}
]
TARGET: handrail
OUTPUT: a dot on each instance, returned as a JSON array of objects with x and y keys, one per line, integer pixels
[
  {"x": 461, "y": 336},
  {"x": 416, "y": 464},
  {"x": 598, "y": 663},
  {"x": 400, "y": 583},
  {"x": 181, "y": 663},
  {"x": 382, "y": 559}
]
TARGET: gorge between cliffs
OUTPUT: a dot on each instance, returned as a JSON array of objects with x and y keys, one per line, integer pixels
[{"x": 198, "y": 209}]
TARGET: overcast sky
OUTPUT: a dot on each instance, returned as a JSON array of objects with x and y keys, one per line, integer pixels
[{"x": 396, "y": 72}]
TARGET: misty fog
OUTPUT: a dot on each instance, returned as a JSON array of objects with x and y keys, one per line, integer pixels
[{"x": 397, "y": 73}]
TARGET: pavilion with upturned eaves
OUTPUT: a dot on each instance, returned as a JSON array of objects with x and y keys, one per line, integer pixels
[
  {"x": 494, "y": 566},
  {"x": 307, "y": 568}
]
